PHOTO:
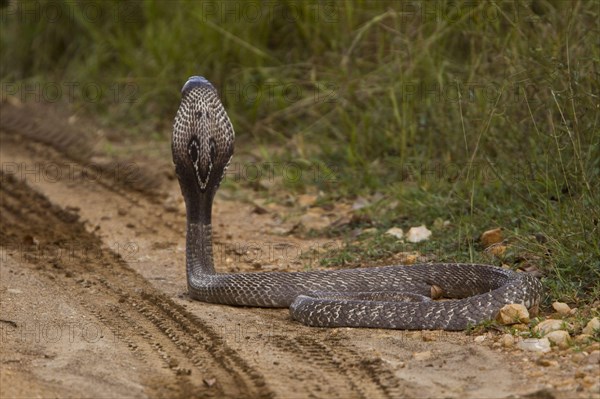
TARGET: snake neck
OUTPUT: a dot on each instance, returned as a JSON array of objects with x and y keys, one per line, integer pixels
[{"x": 199, "y": 254}]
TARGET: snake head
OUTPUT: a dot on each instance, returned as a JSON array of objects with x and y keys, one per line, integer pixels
[{"x": 202, "y": 144}]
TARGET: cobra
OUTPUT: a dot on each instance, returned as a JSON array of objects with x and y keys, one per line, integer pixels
[{"x": 397, "y": 297}]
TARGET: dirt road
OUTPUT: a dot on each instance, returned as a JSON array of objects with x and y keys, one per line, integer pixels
[{"x": 93, "y": 304}]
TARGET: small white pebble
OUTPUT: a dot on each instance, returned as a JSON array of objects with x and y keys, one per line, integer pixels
[
  {"x": 418, "y": 234},
  {"x": 395, "y": 232},
  {"x": 535, "y": 345},
  {"x": 508, "y": 341}
]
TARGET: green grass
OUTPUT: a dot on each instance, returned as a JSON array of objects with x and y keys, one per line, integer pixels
[{"x": 481, "y": 113}]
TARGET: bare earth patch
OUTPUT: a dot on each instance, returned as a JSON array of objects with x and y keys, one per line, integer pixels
[{"x": 93, "y": 304}]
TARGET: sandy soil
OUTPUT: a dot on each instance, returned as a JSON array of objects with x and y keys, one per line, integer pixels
[{"x": 93, "y": 304}]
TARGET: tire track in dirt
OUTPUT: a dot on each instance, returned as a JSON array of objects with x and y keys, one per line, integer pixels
[
  {"x": 157, "y": 329},
  {"x": 53, "y": 127},
  {"x": 367, "y": 378}
]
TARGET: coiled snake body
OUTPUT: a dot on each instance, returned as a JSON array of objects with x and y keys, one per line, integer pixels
[{"x": 383, "y": 297}]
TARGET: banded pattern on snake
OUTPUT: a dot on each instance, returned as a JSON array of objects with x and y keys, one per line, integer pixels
[{"x": 380, "y": 297}]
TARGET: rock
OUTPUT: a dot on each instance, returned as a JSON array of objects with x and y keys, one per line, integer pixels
[
  {"x": 395, "y": 232},
  {"x": 209, "y": 381},
  {"x": 561, "y": 308},
  {"x": 418, "y": 234},
  {"x": 547, "y": 362},
  {"x": 592, "y": 326},
  {"x": 513, "y": 314},
  {"x": 436, "y": 292},
  {"x": 593, "y": 358},
  {"x": 491, "y": 237},
  {"x": 559, "y": 338},
  {"x": 479, "y": 339},
  {"x": 422, "y": 355},
  {"x": 535, "y": 345},
  {"x": 550, "y": 325},
  {"x": 583, "y": 338},
  {"x": 507, "y": 340}
]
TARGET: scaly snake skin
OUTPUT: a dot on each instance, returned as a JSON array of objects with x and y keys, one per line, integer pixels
[{"x": 381, "y": 297}]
